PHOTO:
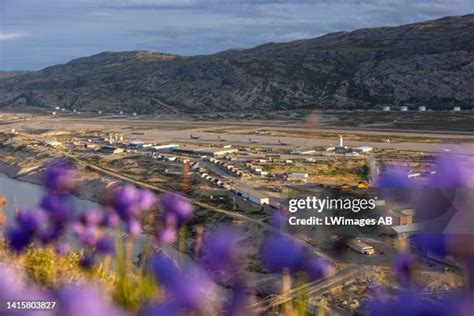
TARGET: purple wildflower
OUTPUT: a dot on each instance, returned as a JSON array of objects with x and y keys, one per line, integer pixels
[
  {"x": 87, "y": 261},
  {"x": 18, "y": 239},
  {"x": 403, "y": 267},
  {"x": 62, "y": 249},
  {"x": 29, "y": 225},
  {"x": 280, "y": 252},
  {"x": 58, "y": 207},
  {"x": 222, "y": 250},
  {"x": 110, "y": 220},
  {"x": 130, "y": 202},
  {"x": 189, "y": 289},
  {"x": 193, "y": 290},
  {"x": 163, "y": 309},
  {"x": 279, "y": 220},
  {"x": 134, "y": 228},
  {"x": 167, "y": 235},
  {"x": 317, "y": 269},
  {"x": 30, "y": 221},
  {"x": 60, "y": 177},
  {"x": 395, "y": 184},
  {"x": 80, "y": 300},
  {"x": 105, "y": 245},
  {"x": 435, "y": 243},
  {"x": 408, "y": 303},
  {"x": 51, "y": 234},
  {"x": 92, "y": 216},
  {"x": 87, "y": 235},
  {"x": 175, "y": 208},
  {"x": 452, "y": 172},
  {"x": 13, "y": 287},
  {"x": 394, "y": 177},
  {"x": 164, "y": 269}
]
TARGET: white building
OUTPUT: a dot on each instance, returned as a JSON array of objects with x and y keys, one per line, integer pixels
[
  {"x": 404, "y": 230},
  {"x": 422, "y": 108},
  {"x": 253, "y": 196},
  {"x": 363, "y": 149},
  {"x": 386, "y": 108},
  {"x": 207, "y": 151},
  {"x": 457, "y": 109},
  {"x": 167, "y": 147},
  {"x": 297, "y": 176},
  {"x": 404, "y": 108}
]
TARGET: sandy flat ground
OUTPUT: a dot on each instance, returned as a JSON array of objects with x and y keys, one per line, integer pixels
[{"x": 163, "y": 131}]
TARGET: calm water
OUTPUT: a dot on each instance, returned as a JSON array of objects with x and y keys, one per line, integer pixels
[{"x": 27, "y": 195}]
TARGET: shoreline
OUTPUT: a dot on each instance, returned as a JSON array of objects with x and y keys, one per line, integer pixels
[{"x": 90, "y": 189}]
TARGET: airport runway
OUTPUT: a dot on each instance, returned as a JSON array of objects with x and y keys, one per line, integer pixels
[{"x": 179, "y": 131}]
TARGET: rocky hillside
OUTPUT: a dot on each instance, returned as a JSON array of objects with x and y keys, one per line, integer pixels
[{"x": 430, "y": 63}]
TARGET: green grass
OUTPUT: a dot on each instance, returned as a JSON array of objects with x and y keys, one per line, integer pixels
[{"x": 129, "y": 285}]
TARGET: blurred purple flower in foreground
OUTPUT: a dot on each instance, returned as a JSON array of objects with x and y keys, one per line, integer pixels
[
  {"x": 189, "y": 289},
  {"x": 434, "y": 243},
  {"x": 92, "y": 216},
  {"x": 403, "y": 268},
  {"x": 279, "y": 220},
  {"x": 131, "y": 202},
  {"x": 164, "y": 309},
  {"x": 451, "y": 171},
  {"x": 167, "y": 235},
  {"x": 317, "y": 269},
  {"x": 59, "y": 208},
  {"x": 80, "y": 300},
  {"x": 105, "y": 245},
  {"x": 175, "y": 209},
  {"x": 62, "y": 249},
  {"x": 13, "y": 287},
  {"x": 164, "y": 269},
  {"x": 394, "y": 184},
  {"x": 394, "y": 177},
  {"x": 87, "y": 261},
  {"x": 29, "y": 224},
  {"x": 223, "y": 250},
  {"x": 409, "y": 304},
  {"x": 60, "y": 177},
  {"x": 280, "y": 252}
]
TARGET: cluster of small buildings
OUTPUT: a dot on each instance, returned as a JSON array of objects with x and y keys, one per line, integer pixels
[
  {"x": 421, "y": 108},
  {"x": 206, "y": 151},
  {"x": 256, "y": 169},
  {"x": 215, "y": 181},
  {"x": 251, "y": 195},
  {"x": 403, "y": 225},
  {"x": 230, "y": 167},
  {"x": 341, "y": 149},
  {"x": 297, "y": 177}
]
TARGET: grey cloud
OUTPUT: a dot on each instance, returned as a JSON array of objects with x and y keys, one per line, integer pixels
[{"x": 59, "y": 30}]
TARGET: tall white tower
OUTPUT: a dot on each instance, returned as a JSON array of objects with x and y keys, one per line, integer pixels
[{"x": 341, "y": 141}]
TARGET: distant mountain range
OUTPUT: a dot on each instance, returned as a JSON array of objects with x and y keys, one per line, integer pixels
[
  {"x": 11, "y": 73},
  {"x": 429, "y": 63}
]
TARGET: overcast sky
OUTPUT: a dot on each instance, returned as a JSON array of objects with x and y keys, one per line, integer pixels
[{"x": 38, "y": 33}]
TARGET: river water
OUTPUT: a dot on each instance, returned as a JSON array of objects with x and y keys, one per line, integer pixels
[{"x": 25, "y": 195}]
